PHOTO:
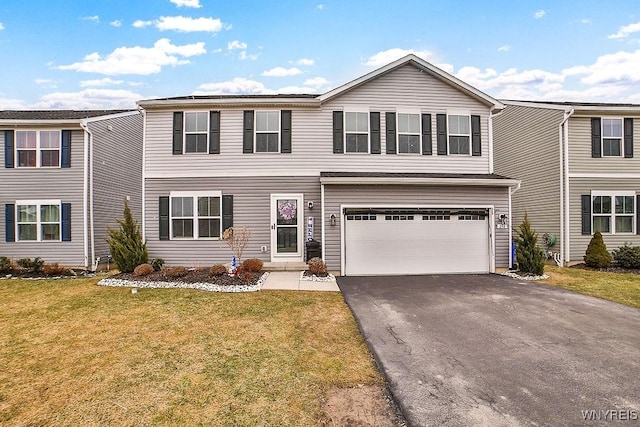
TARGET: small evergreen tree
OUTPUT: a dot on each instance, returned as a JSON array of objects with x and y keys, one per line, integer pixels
[
  {"x": 126, "y": 245},
  {"x": 529, "y": 256},
  {"x": 597, "y": 255}
]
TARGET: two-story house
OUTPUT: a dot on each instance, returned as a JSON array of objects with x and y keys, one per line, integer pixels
[
  {"x": 66, "y": 175},
  {"x": 579, "y": 171},
  {"x": 392, "y": 173}
]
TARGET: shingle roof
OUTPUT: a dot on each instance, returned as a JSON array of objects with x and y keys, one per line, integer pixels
[
  {"x": 279, "y": 95},
  {"x": 55, "y": 114},
  {"x": 572, "y": 104}
]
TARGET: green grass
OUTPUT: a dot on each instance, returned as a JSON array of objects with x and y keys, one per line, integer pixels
[
  {"x": 74, "y": 353},
  {"x": 617, "y": 287}
]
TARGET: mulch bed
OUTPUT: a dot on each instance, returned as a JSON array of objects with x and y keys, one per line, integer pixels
[
  {"x": 198, "y": 275},
  {"x": 612, "y": 269}
]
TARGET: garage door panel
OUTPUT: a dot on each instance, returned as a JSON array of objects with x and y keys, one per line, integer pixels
[{"x": 416, "y": 246}]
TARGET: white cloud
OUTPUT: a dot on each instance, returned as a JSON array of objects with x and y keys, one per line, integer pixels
[
  {"x": 504, "y": 48},
  {"x": 539, "y": 13},
  {"x": 244, "y": 55},
  {"x": 625, "y": 31},
  {"x": 320, "y": 6},
  {"x": 100, "y": 82},
  {"x": 43, "y": 81},
  {"x": 89, "y": 99},
  {"x": 615, "y": 68},
  {"x": 282, "y": 72},
  {"x": 142, "y": 24},
  {"x": 94, "y": 18},
  {"x": 236, "y": 86},
  {"x": 188, "y": 25},
  {"x": 511, "y": 84},
  {"x": 386, "y": 56},
  {"x": 1, "y": 26},
  {"x": 236, "y": 44},
  {"x": 585, "y": 21},
  {"x": 187, "y": 3},
  {"x": 12, "y": 104},
  {"x": 305, "y": 62},
  {"x": 138, "y": 60},
  {"x": 116, "y": 23},
  {"x": 316, "y": 82}
]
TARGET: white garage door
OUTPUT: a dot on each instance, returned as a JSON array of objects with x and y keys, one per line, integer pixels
[{"x": 417, "y": 241}]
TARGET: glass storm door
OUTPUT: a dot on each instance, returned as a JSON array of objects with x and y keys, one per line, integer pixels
[{"x": 287, "y": 219}]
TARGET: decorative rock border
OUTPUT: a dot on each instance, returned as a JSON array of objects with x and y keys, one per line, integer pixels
[
  {"x": 515, "y": 275},
  {"x": 203, "y": 286},
  {"x": 328, "y": 278}
]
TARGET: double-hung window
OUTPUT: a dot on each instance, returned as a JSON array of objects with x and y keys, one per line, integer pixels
[
  {"x": 613, "y": 213},
  {"x": 195, "y": 215},
  {"x": 37, "y": 148},
  {"x": 38, "y": 220},
  {"x": 267, "y": 132},
  {"x": 196, "y": 128},
  {"x": 611, "y": 137},
  {"x": 459, "y": 133},
  {"x": 356, "y": 132},
  {"x": 408, "y": 133}
]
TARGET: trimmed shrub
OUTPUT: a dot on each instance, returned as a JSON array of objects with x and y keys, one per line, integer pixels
[
  {"x": 31, "y": 266},
  {"x": 143, "y": 270},
  {"x": 5, "y": 265},
  {"x": 529, "y": 256},
  {"x": 126, "y": 245},
  {"x": 317, "y": 266},
  {"x": 597, "y": 255},
  {"x": 157, "y": 264},
  {"x": 217, "y": 270},
  {"x": 175, "y": 272},
  {"x": 54, "y": 269},
  {"x": 252, "y": 264},
  {"x": 627, "y": 256}
]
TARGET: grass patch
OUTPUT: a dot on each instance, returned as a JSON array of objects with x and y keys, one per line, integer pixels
[
  {"x": 618, "y": 287},
  {"x": 75, "y": 353}
]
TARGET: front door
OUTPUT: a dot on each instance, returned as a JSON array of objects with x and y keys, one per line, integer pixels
[{"x": 287, "y": 218}]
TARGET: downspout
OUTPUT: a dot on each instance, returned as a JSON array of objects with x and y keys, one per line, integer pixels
[
  {"x": 85, "y": 193},
  {"x": 563, "y": 146},
  {"x": 144, "y": 167},
  {"x": 322, "y": 222},
  {"x": 511, "y": 193}
]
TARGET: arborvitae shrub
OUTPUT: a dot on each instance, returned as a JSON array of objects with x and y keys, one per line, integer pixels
[
  {"x": 529, "y": 256},
  {"x": 126, "y": 245},
  {"x": 597, "y": 255}
]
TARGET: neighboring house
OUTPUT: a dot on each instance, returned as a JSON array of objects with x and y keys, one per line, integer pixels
[
  {"x": 579, "y": 170},
  {"x": 393, "y": 170},
  {"x": 66, "y": 175}
]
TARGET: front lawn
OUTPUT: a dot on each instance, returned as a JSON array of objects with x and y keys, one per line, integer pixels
[
  {"x": 618, "y": 287},
  {"x": 74, "y": 353}
]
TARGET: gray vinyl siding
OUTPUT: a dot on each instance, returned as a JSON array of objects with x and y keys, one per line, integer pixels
[
  {"x": 580, "y": 160},
  {"x": 404, "y": 89},
  {"x": 251, "y": 207},
  {"x": 526, "y": 147},
  {"x": 65, "y": 184},
  {"x": 117, "y": 174},
  {"x": 335, "y": 195},
  {"x": 582, "y": 186}
]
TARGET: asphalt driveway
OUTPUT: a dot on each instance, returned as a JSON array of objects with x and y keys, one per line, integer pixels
[{"x": 465, "y": 350}]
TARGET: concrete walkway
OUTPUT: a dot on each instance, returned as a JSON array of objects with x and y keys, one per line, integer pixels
[{"x": 290, "y": 281}]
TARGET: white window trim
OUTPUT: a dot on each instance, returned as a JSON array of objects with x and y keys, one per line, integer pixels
[
  {"x": 357, "y": 133},
  {"x": 185, "y": 133},
  {"x": 38, "y": 149},
  {"x": 602, "y": 137},
  {"x": 419, "y": 134},
  {"x": 449, "y": 134},
  {"x": 194, "y": 195},
  {"x": 256, "y": 132},
  {"x": 612, "y": 215},
  {"x": 38, "y": 203}
]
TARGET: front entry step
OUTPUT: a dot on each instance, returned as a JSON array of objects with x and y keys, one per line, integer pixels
[{"x": 284, "y": 266}]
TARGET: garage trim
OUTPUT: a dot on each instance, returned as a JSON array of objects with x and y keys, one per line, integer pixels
[{"x": 491, "y": 221}]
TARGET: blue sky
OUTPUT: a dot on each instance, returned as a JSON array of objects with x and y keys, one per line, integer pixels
[{"x": 79, "y": 54}]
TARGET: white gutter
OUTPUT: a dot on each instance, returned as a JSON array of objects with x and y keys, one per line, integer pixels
[
  {"x": 563, "y": 146},
  {"x": 144, "y": 167},
  {"x": 365, "y": 180},
  {"x": 85, "y": 195}
]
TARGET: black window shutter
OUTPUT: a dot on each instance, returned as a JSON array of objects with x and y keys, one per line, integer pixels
[
  {"x": 227, "y": 211},
  {"x": 628, "y": 137},
  {"x": 285, "y": 131},
  {"x": 65, "y": 155},
  {"x": 8, "y": 149},
  {"x": 338, "y": 132},
  {"x": 476, "y": 139},
  {"x": 374, "y": 120},
  {"x": 66, "y": 222},
  {"x": 178, "y": 121},
  {"x": 586, "y": 214},
  {"x": 214, "y": 132},
  {"x": 390, "y": 123},
  {"x": 426, "y": 134},
  {"x": 637, "y": 214},
  {"x": 596, "y": 143},
  {"x": 441, "y": 131},
  {"x": 247, "y": 135},
  {"x": 163, "y": 217},
  {"x": 10, "y": 222}
]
